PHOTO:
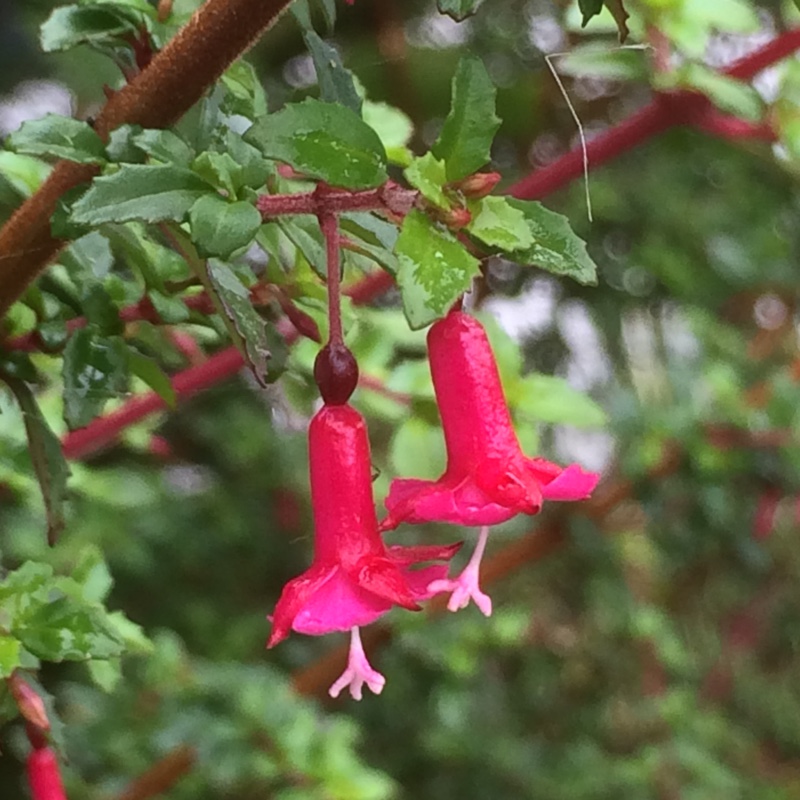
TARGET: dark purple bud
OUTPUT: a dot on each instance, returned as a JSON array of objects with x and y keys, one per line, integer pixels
[{"x": 336, "y": 373}]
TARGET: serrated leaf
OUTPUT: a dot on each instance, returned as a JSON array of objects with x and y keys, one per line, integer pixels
[
  {"x": 151, "y": 373},
  {"x": 58, "y": 137},
  {"x": 99, "y": 309},
  {"x": 427, "y": 173},
  {"x": 164, "y": 146},
  {"x": 323, "y": 141},
  {"x": 220, "y": 170},
  {"x": 152, "y": 193},
  {"x": 47, "y": 457},
  {"x": 94, "y": 371},
  {"x": 245, "y": 94},
  {"x": 336, "y": 84},
  {"x": 220, "y": 228},
  {"x": 105, "y": 674},
  {"x": 466, "y": 138},
  {"x": 61, "y": 630},
  {"x": 550, "y": 399},
  {"x": 497, "y": 223},
  {"x": 69, "y": 26},
  {"x": 254, "y": 168},
  {"x": 434, "y": 269},
  {"x": 556, "y": 248},
  {"x": 235, "y": 299},
  {"x": 9, "y": 655},
  {"x": 458, "y": 9}
]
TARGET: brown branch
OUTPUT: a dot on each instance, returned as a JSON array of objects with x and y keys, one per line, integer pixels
[
  {"x": 163, "y": 775},
  {"x": 174, "y": 81}
]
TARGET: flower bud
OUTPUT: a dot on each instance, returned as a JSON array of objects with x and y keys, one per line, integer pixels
[
  {"x": 478, "y": 185},
  {"x": 30, "y": 705},
  {"x": 336, "y": 373}
]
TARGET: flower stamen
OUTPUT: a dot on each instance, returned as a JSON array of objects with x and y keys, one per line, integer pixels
[
  {"x": 466, "y": 586},
  {"x": 358, "y": 672}
]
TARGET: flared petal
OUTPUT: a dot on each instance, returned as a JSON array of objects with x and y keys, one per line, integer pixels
[
  {"x": 381, "y": 576},
  {"x": 295, "y": 595},
  {"x": 414, "y": 554},
  {"x": 339, "y": 605},
  {"x": 572, "y": 484}
]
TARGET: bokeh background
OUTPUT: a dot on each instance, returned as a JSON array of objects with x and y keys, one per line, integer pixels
[{"x": 645, "y": 644}]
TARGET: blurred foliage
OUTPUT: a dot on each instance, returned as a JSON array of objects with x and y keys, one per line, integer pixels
[{"x": 653, "y": 655}]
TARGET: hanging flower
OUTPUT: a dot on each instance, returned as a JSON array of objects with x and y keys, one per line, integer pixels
[
  {"x": 488, "y": 479},
  {"x": 354, "y": 578}
]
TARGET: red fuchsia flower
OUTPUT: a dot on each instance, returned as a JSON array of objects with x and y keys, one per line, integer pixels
[
  {"x": 488, "y": 479},
  {"x": 354, "y": 578},
  {"x": 44, "y": 777}
]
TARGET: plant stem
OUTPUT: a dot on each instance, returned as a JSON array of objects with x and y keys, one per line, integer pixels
[{"x": 330, "y": 230}]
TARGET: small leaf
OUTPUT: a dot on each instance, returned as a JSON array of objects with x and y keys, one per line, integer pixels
[
  {"x": 323, "y": 141},
  {"x": 458, "y": 9},
  {"x": 434, "y": 269},
  {"x": 467, "y": 134},
  {"x": 303, "y": 232},
  {"x": 336, "y": 84},
  {"x": 235, "y": 299},
  {"x": 220, "y": 170},
  {"x": 220, "y": 228},
  {"x": 139, "y": 191},
  {"x": 94, "y": 371},
  {"x": 9, "y": 655},
  {"x": 100, "y": 26},
  {"x": 427, "y": 174},
  {"x": 589, "y": 9},
  {"x": 58, "y": 137},
  {"x": 164, "y": 146},
  {"x": 497, "y": 223},
  {"x": 151, "y": 373},
  {"x": 556, "y": 248},
  {"x": 372, "y": 236},
  {"x": 245, "y": 94},
  {"x": 47, "y": 457},
  {"x": 394, "y": 128}
]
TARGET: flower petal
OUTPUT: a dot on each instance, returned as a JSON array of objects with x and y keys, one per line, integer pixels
[
  {"x": 294, "y": 596},
  {"x": 339, "y": 605},
  {"x": 381, "y": 576},
  {"x": 572, "y": 484},
  {"x": 414, "y": 554}
]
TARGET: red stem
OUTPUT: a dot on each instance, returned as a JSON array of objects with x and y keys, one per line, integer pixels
[
  {"x": 220, "y": 366},
  {"x": 661, "y": 113},
  {"x": 330, "y": 230}
]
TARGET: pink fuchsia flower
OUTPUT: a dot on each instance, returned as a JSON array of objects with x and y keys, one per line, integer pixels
[
  {"x": 488, "y": 479},
  {"x": 354, "y": 577}
]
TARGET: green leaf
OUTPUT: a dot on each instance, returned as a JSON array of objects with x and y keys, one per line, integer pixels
[
  {"x": 235, "y": 299},
  {"x": 164, "y": 146},
  {"x": 61, "y": 630},
  {"x": 600, "y": 61},
  {"x": 556, "y": 248},
  {"x": 245, "y": 94},
  {"x": 427, "y": 173},
  {"x": 467, "y": 134},
  {"x": 416, "y": 449},
  {"x": 434, "y": 269},
  {"x": 220, "y": 228},
  {"x": 94, "y": 371},
  {"x": 151, "y": 373},
  {"x": 105, "y": 26},
  {"x": 58, "y": 137},
  {"x": 551, "y": 399},
  {"x": 139, "y": 191},
  {"x": 220, "y": 170},
  {"x": 394, "y": 128},
  {"x": 324, "y": 141},
  {"x": 372, "y": 236},
  {"x": 99, "y": 309},
  {"x": 9, "y": 655},
  {"x": 23, "y": 173},
  {"x": 303, "y": 232},
  {"x": 47, "y": 457},
  {"x": 589, "y": 9},
  {"x": 458, "y": 9},
  {"x": 497, "y": 223},
  {"x": 254, "y": 168},
  {"x": 336, "y": 84},
  {"x": 729, "y": 94}
]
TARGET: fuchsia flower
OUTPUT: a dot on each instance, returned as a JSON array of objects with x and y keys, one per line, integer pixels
[
  {"x": 354, "y": 578},
  {"x": 488, "y": 479}
]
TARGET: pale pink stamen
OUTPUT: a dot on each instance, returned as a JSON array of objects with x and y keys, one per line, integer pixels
[
  {"x": 358, "y": 672},
  {"x": 466, "y": 585}
]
